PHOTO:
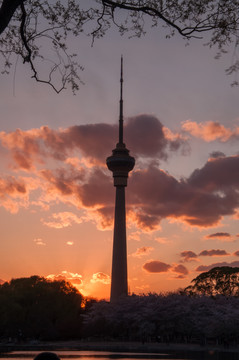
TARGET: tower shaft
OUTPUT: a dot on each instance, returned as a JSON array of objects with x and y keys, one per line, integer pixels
[{"x": 119, "y": 279}]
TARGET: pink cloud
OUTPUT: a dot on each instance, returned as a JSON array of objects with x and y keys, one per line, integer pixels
[
  {"x": 201, "y": 200},
  {"x": 14, "y": 192},
  {"x": 94, "y": 141},
  {"x": 213, "y": 252},
  {"x": 209, "y": 131},
  {"x": 155, "y": 266},
  {"x": 11, "y": 186}
]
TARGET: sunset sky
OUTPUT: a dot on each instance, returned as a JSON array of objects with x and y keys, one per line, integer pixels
[{"x": 57, "y": 196}]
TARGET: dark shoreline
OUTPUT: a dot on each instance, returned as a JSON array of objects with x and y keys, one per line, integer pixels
[{"x": 110, "y": 346}]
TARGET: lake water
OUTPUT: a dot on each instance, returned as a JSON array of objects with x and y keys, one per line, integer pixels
[{"x": 101, "y": 355}]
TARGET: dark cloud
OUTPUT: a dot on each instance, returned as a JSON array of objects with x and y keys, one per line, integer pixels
[
  {"x": 219, "y": 235},
  {"x": 236, "y": 253},
  {"x": 213, "y": 252},
  {"x": 216, "y": 154},
  {"x": 180, "y": 269},
  {"x": 94, "y": 140},
  {"x": 220, "y": 174},
  {"x": 209, "y": 267},
  {"x": 155, "y": 266},
  {"x": 188, "y": 255},
  {"x": 98, "y": 190},
  {"x": 148, "y": 130},
  {"x": 198, "y": 201}
]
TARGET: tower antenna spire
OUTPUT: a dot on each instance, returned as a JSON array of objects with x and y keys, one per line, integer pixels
[{"x": 121, "y": 118}]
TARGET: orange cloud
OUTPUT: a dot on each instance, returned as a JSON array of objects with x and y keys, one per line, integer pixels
[
  {"x": 12, "y": 186},
  {"x": 143, "y": 251},
  {"x": 209, "y": 131},
  {"x": 162, "y": 240},
  {"x": 100, "y": 277},
  {"x": 62, "y": 220},
  {"x": 73, "y": 278}
]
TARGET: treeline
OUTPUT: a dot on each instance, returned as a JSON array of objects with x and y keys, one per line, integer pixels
[
  {"x": 36, "y": 308},
  {"x": 175, "y": 317},
  {"x": 39, "y": 309}
]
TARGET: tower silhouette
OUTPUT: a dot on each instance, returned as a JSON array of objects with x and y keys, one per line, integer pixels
[{"x": 120, "y": 163}]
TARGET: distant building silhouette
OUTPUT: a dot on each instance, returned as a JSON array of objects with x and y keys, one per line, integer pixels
[{"x": 120, "y": 163}]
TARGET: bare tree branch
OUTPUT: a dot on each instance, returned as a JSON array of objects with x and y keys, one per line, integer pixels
[{"x": 30, "y": 28}]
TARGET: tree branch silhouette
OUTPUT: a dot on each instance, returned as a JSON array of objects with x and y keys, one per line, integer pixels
[{"x": 22, "y": 29}]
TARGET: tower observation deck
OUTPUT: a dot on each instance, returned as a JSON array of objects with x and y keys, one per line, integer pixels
[{"x": 120, "y": 163}]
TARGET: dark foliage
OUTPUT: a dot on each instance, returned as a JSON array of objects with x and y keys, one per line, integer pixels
[
  {"x": 222, "y": 280},
  {"x": 168, "y": 318},
  {"x": 36, "y": 308}
]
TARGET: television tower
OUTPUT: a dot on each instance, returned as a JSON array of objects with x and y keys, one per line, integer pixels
[{"x": 120, "y": 163}]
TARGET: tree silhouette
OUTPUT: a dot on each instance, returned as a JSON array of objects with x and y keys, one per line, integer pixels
[
  {"x": 41, "y": 309},
  {"x": 217, "y": 281},
  {"x": 30, "y": 28}
]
